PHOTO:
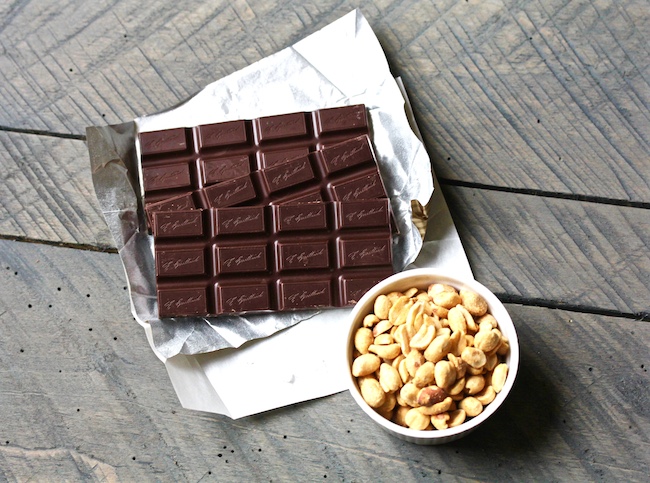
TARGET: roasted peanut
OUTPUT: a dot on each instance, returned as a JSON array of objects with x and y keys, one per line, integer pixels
[
  {"x": 423, "y": 337},
  {"x": 430, "y": 395},
  {"x": 389, "y": 403},
  {"x": 438, "y": 349},
  {"x": 445, "y": 374},
  {"x": 471, "y": 406},
  {"x": 399, "y": 310},
  {"x": 446, "y": 299},
  {"x": 456, "y": 320},
  {"x": 439, "y": 421},
  {"x": 403, "y": 371},
  {"x": 416, "y": 420},
  {"x": 381, "y": 327},
  {"x": 473, "y": 302},
  {"x": 409, "y": 394},
  {"x": 399, "y": 416},
  {"x": 365, "y": 364},
  {"x": 424, "y": 375},
  {"x": 411, "y": 292},
  {"x": 486, "y": 396},
  {"x": 384, "y": 339},
  {"x": 487, "y": 340},
  {"x": 371, "y": 391},
  {"x": 414, "y": 360},
  {"x": 390, "y": 351},
  {"x": 456, "y": 418},
  {"x": 435, "y": 288},
  {"x": 473, "y": 384},
  {"x": 499, "y": 377},
  {"x": 370, "y": 320},
  {"x": 469, "y": 320},
  {"x": 363, "y": 339},
  {"x": 389, "y": 378},
  {"x": 382, "y": 306},
  {"x": 437, "y": 408},
  {"x": 473, "y": 357},
  {"x": 457, "y": 388}
]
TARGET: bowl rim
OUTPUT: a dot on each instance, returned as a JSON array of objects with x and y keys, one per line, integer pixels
[{"x": 434, "y": 276}]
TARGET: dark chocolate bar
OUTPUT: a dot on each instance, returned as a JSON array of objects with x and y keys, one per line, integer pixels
[
  {"x": 346, "y": 171},
  {"x": 277, "y": 257},
  {"x": 180, "y": 161}
]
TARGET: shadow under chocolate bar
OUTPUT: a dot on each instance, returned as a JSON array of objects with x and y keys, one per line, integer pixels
[
  {"x": 278, "y": 257},
  {"x": 179, "y": 161}
]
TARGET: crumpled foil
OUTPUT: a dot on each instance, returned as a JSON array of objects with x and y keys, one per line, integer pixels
[{"x": 304, "y": 77}]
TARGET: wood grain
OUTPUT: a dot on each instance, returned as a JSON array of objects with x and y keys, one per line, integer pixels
[
  {"x": 97, "y": 405},
  {"x": 591, "y": 255},
  {"x": 550, "y": 96},
  {"x": 481, "y": 75},
  {"x": 47, "y": 193}
]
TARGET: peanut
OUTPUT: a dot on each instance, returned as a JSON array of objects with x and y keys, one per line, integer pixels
[
  {"x": 363, "y": 339},
  {"x": 381, "y": 327},
  {"x": 473, "y": 384},
  {"x": 430, "y": 359},
  {"x": 382, "y": 306},
  {"x": 423, "y": 337},
  {"x": 486, "y": 396},
  {"x": 370, "y": 320},
  {"x": 473, "y": 302},
  {"x": 438, "y": 349},
  {"x": 390, "y": 351},
  {"x": 447, "y": 299},
  {"x": 439, "y": 421},
  {"x": 445, "y": 374},
  {"x": 371, "y": 391},
  {"x": 471, "y": 406},
  {"x": 487, "y": 340},
  {"x": 473, "y": 357},
  {"x": 365, "y": 364},
  {"x": 416, "y": 420},
  {"x": 456, "y": 418},
  {"x": 383, "y": 339},
  {"x": 437, "y": 408},
  {"x": 428, "y": 396},
  {"x": 409, "y": 394},
  {"x": 389, "y": 378},
  {"x": 499, "y": 377},
  {"x": 424, "y": 375}
]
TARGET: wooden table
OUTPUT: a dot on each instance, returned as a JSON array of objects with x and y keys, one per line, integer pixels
[{"x": 535, "y": 115}]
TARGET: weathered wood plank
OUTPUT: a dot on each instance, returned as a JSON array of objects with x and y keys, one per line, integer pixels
[
  {"x": 481, "y": 75},
  {"x": 542, "y": 95},
  {"x": 47, "y": 193},
  {"x": 96, "y": 404},
  {"x": 563, "y": 251}
]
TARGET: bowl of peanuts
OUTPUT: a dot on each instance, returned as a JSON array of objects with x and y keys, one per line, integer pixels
[{"x": 430, "y": 356}]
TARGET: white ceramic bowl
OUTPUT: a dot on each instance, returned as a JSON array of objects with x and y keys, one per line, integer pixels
[{"x": 422, "y": 278}]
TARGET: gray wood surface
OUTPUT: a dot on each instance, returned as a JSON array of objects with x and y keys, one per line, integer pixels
[
  {"x": 535, "y": 114},
  {"x": 47, "y": 192},
  {"x": 83, "y": 397}
]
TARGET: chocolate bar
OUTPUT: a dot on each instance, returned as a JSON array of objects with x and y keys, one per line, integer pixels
[
  {"x": 179, "y": 161},
  {"x": 274, "y": 257}
]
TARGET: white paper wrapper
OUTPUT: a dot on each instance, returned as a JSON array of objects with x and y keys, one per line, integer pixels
[{"x": 207, "y": 358}]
